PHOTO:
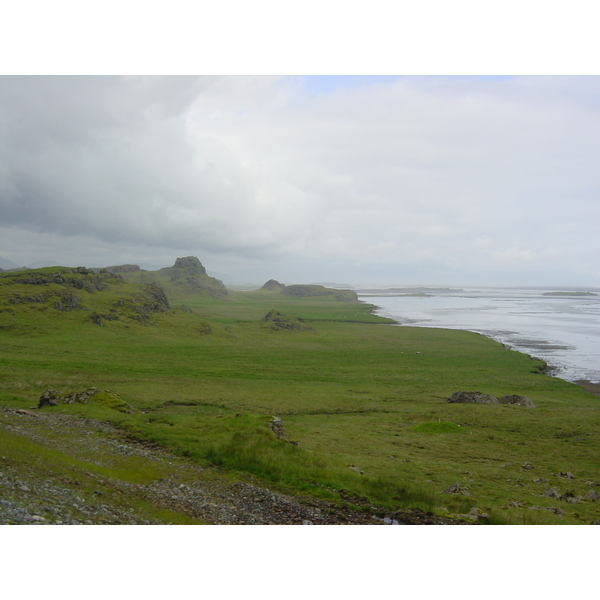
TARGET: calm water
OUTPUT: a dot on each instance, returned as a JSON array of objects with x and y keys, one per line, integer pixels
[{"x": 562, "y": 330}]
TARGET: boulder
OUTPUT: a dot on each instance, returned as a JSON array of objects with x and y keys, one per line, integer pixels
[
  {"x": 473, "y": 398},
  {"x": 553, "y": 493},
  {"x": 48, "y": 398},
  {"x": 593, "y": 496},
  {"x": 515, "y": 399},
  {"x": 456, "y": 488},
  {"x": 276, "y": 426},
  {"x": 79, "y": 397}
]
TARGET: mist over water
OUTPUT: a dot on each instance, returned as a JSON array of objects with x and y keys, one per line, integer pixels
[{"x": 563, "y": 330}]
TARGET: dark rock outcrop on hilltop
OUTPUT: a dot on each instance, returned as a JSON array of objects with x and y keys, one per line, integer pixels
[
  {"x": 303, "y": 291},
  {"x": 123, "y": 269},
  {"x": 272, "y": 286},
  {"x": 186, "y": 276},
  {"x": 189, "y": 275},
  {"x": 189, "y": 261},
  {"x": 473, "y": 398}
]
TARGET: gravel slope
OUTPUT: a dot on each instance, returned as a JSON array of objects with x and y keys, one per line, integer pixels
[{"x": 39, "y": 490}]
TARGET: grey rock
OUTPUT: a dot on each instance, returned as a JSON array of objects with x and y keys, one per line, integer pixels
[
  {"x": 276, "y": 426},
  {"x": 555, "y": 510},
  {"x": 515, "y": 399},
  {"x": 48, "y": 398},
  {"x": 566, "y": 475},
  {"x": 456, "y": 488},
  {"x": 540, "y": 480},
  {"x": 593, "y": 496},
  {"x": 552, "y": 493},
  {"x": 188, "y": 261},
  {"x": 473, "y": 398}
]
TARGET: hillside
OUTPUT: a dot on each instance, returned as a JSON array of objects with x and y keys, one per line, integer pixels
[
  {"x": 307, "y": 398},
  {"x": 33, "y": 299},
  {"x": 307, "y": 291},
  {"x": 187, "y": 277}
]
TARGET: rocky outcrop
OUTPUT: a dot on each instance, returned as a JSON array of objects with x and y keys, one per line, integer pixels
[
  {"x": 457, "y": 488},
  {"x": 473, "y": 398},
  {"x": 48, "y": 398},
  {"x": 479, "y": 398},
  {"x": 123, "y": 269},
  {"x": 278, "y": 321},
  {"x": 303, "y": 291},
  {"x": 189, "y": 276},
  {"x": 520, "y": 400},
  {"x": 276, "y": 426},
  {"x": 52, "y": 398},
  {"x": 272, "y": 286},
  {"x": 189, "y": 261}
]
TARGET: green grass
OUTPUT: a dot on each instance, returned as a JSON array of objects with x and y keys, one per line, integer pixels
[{"x": 354, "y": 391}]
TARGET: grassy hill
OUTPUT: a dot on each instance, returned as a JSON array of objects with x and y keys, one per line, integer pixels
[
  {"x": 362, "y": 402},
  {"x": 187, "y": 277}
]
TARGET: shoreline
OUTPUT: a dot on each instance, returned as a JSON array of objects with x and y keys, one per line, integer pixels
[{"x": 587, "y": 385}]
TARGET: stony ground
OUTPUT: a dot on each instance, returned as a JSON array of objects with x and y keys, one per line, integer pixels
[{"x": 32, "y": 491}]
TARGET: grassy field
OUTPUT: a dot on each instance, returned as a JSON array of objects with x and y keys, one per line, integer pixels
[{"x": 363, "y": 400}]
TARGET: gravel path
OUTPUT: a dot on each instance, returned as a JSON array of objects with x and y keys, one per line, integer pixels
[{"x": 35, "y": 493}]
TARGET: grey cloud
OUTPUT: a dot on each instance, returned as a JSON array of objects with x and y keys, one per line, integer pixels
[{"x": 447, "y": 176}]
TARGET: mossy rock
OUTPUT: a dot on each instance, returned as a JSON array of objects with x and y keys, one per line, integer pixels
[{"x": 278, "y": 321}]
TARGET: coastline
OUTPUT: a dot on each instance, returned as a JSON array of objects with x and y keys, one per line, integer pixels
[{"x": 587, "y": 385}]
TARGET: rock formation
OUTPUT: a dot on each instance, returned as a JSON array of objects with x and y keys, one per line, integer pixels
[
  {"x": 189, "y": 261},
  {"x": 473, "y": 398},
  {"x": 479, "y": 398},
  {"x": 123, "y": 269},
  {"x": 301, "y": 291},
  {"x": 520, "y": 400},
  {"x": 279, "y": 321},
  {"x": 52, "y": 398}
]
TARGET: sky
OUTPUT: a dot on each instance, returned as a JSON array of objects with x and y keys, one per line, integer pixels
[{"x": 359, "y": 180}]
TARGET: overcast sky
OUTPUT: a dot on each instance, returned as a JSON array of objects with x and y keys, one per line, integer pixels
[{"x": 383, "y": 180}]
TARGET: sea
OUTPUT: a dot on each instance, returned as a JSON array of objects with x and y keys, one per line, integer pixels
[{"x": 559, "y": 326}]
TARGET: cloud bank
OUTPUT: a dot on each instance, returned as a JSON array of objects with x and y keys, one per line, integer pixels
[{"x": 390, "y": 180}]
